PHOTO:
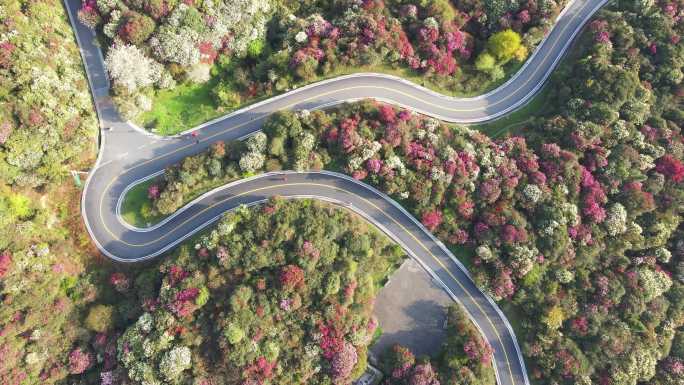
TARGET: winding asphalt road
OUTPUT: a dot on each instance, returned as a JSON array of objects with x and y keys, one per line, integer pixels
[{"x": 129, "y": 155}]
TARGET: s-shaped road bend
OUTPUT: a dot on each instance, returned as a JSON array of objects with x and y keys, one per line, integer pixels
[{"x": 128, "y": 156}]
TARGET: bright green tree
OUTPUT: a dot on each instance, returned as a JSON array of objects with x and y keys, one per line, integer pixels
[
  {"x": 504, "y": 45},
  {"x": 485, "y": 62}
]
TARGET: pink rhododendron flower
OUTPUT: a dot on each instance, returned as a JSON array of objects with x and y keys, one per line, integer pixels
[
  {"x": 671, "y": 167},
  {"x": 176, "y": 275},
  {"x": 524, "y": 16},
  {"x": 653, "y": 48},
  {"x": 602, "y": 37},
  {"x": 79, "y": 361},
  {"x": 5, "y": 262},
  {"x": 359, "y": 174},
  {"x": 387, "y": 114},
  {"x": 374, "y": 165},
  {"x": 432, "y": 219}
]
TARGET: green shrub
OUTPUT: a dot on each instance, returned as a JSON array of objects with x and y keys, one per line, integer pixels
[
  {"x": 100, "y": 318},
  {"x": 504, "y": 45}
]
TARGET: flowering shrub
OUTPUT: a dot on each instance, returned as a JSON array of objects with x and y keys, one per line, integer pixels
[
  {"x": 129, "y": 68},
  {"x": 343, "y": 363},
  {"x": 432, "y": 219},
  {"x": 434, "y": 40},
  {"x": 174, "y": 362},
  {"x": 671, "y": 167},
  {"x": 119, "y": 281},
  {"x": 5, "y": 262},
  {"x": 79, "y": 361},
  {"x": 291, "y": 277}
]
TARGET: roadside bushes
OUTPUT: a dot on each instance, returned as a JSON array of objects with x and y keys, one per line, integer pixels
[
  {"x": 179, "y": 41},
  {"x": 222, "y": 163},
  {"x": 258, "y": 48},
  {"x": 47, "y": 128},
  {"x": 431, "y": 38}
]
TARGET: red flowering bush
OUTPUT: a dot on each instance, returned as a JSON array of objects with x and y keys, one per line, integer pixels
[
  {"x": 119, "y": 281},
  {"x": 291, "y": 277},
  {"x": 5, "y": 262},
  {"x": 399, "y": 361},
  {"x": 432, "y": 219},
  {"x": 176, "y": 275},
  {"x": 671, "y": 167},
  {"x": 478, "y": 349},
  {"x": 6, "y": 49}
]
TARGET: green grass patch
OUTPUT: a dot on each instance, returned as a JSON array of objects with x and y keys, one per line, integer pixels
[
  {"x": 515, "y": 318},
  {"x": 463, "y": 254},
  {"x": 136, "y": 203},
  {"x": 515, "y": 120},
  {"x": 183, "y": 107}
]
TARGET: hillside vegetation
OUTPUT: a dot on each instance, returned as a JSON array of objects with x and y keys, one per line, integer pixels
[
  {"x": 280, "y": 293},
  {"x": 575, "y": 223},
  {"x": 47, "y": 127},
  {"x": 168, "y": 57}
]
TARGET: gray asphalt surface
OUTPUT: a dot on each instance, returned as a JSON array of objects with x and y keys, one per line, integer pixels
[
  {"x": 411, "y": 309},
  {"x": 128, "y": 154}
]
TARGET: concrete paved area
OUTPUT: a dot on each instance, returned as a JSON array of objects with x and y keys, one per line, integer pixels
[{"x": 411, "y": 311}]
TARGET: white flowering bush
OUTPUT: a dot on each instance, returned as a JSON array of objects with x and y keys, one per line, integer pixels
[
  {"x": 523, "y": 259},
  {"x": 354, "y": 162},
  {"x": 128, "y": 67},
  {"x": 244, "y": 20},
  {"x": 654, "y": 283},
  {"x": 174, "y": 362},
  {"x": 257, "y": 142},
  {"x": 484, "y": 252},
  {"x": 565, "y": 276},
  {"x": 532, "y": 193},
  {"x": 142, "y": 343},
  {"x": 639, "y": 366},
  {"x": 616, "y": 221},
  {"x": 301, "y": 37},
  {"x": 199, "y": 73},
  {"x": 663, "y": 255},
  {"x": 177, "y": 46},
  {"x": 252, "y": 161},
  {"x": 112, "y": 25},
  {"x": 395, "y": 163}
]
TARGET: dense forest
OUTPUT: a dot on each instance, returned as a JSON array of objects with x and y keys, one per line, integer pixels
[
  {"x": 280, "y": 293},
  {"x": 275, "y": 294},
  {"x": 242, "y": 50},
  {"x": 573, "y": 222}
]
